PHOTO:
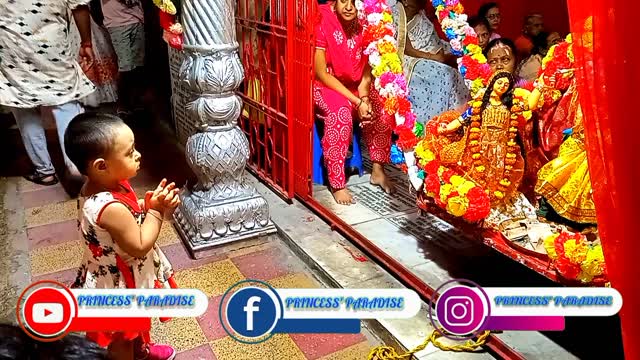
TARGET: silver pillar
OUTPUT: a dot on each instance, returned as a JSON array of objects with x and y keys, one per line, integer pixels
[{"x": 222, "y": 207}]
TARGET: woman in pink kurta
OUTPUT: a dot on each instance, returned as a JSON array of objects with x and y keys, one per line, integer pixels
[{"x": 341, "y": 93}]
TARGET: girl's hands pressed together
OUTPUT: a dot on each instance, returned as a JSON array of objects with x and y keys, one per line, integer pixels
[
  {"x": 171, "y": 202},
  {"x": 164, "y": 199}
]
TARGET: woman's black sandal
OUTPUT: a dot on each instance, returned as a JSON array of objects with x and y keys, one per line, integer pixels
[{"x": 39, "y": 179}]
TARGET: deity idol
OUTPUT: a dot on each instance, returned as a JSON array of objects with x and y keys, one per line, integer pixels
[
  {"x": 564, "y": 182},
  {"x": 489, "y": 152}
]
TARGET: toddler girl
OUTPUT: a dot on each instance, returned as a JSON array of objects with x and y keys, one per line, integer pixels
[{"x": 119, "y": 230}]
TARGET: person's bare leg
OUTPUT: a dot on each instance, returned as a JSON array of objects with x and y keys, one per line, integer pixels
[{"x": 379, "y": 177}]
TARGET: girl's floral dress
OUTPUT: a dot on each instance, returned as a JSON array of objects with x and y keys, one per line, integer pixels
[{"x": 106, "y": 266}]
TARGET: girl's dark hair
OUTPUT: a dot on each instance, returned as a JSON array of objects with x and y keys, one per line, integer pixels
[
  {"x": 90, "y": 136},
  {"x": 540, "y": 44},
  {"x": 484, "y": 9},
  {"x": 16, "y": 344},
  {"x": 477, "y": 20},
  {"x": 507, "y": 97},
  {"x": 500, "y": 41}
]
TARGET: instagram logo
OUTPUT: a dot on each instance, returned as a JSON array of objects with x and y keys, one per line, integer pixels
[{"x": 461, "y": 310}]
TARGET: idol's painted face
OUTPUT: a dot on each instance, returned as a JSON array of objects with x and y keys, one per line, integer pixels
[
  {"x": 501, "y": 86},
  {"x": 346, "y": 9},
  {"x": 493, "y": 17},
  {"x": 501, "y": 58}
]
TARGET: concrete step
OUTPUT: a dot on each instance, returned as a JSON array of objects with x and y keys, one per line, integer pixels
[{"x": 341, "y": 265}]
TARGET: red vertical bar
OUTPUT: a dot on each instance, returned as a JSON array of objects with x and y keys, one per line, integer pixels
[
  {"x": 290, "y": 11},
  {"x": 608, "y": 76},
  {"x": 301, "y": 25}
]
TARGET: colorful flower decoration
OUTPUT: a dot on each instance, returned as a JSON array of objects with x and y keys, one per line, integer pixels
[
  {"x": 379, "y": 35},
  {"x": 464, "y": 43},
  {"x": 389, "y": 80},
  {"x": 574, "y": 258},
  {"x": 449, "y": 190},
  {"x": 172, "y": 30}
]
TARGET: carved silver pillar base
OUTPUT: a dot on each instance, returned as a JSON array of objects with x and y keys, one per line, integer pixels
[
  {"x": 207, "y": 225},
  {"x": 222, "y": 207}
]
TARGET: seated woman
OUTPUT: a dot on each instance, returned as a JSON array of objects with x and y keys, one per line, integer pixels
[
  {"x": 341, "y": 91},
  {"x": 434, "y": 87}
]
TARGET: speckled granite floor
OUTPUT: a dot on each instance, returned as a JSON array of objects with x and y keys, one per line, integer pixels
[{"x": 39, "y": 240}]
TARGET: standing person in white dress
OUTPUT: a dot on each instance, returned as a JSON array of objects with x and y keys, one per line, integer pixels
[{"x": 39, "y": 73}]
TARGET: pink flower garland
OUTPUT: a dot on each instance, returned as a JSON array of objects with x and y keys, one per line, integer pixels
[{"x": 382, "y": 50}]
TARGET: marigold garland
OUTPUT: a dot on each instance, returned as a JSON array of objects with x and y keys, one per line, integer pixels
[
  {"x": 450, "y": 191},
  {"x": 574, "y": 258}
]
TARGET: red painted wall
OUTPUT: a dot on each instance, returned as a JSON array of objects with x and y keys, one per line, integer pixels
[{"x": 513, "y": 12}]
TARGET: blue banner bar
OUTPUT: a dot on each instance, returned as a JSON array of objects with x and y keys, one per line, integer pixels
[{"x": 317, "y": 326}]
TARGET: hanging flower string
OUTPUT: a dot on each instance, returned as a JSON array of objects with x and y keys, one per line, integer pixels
[
  {"x": 172, "y": 30},
  {"x": 389, "y": 81},
  {"x": 464, "y": 43}
]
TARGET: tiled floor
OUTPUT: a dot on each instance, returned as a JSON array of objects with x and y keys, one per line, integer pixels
[{"x": 55, "y": 252}]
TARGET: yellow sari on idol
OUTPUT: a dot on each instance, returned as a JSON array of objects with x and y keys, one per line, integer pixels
[{"x": 564, "y": 182}]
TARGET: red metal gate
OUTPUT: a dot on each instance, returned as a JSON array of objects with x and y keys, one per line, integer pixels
[
  {"x": 301, "y": 42},
  {"x": 261, "y": 27}
]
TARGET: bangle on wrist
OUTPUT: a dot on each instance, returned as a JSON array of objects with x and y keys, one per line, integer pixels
[
  {"x": 159, "y": 217},
  {"x": 86, "y": 43}
]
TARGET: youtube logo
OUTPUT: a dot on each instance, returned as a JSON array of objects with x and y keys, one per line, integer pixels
[
  {"x": 46, "y": 310},
  {"x": 48, "y": 313}
]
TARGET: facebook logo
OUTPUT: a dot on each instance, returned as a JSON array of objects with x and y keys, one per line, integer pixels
[
  {"x": 250, "y": 309},
  {"x": 251, "y": 312}
]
